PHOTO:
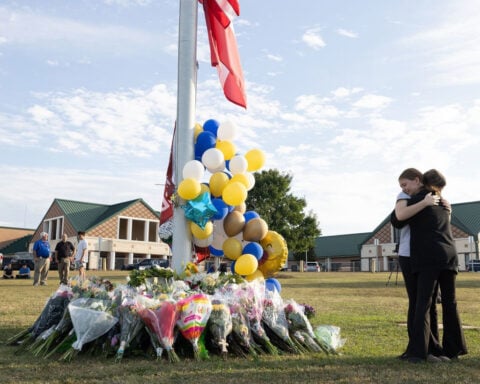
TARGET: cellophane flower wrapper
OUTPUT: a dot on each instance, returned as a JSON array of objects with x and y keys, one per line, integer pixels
[
  {"x": 275, "y": 320},
  {"x": 55, "y": 334},
  {"x": 240, "y": 326},
  {"x": 49, "y": 317},
  {"x": 130, "y": 325},
  {"x": 160, "y": 321},
  {"x": 220, "y": 323},
  {"x": 251, "y": 295},
  {"x": 91, "y": 319},
  {"x": 298, "y": 323},
  {"x": 193, "y": 312},
  {"x": 330, "y": 335}
]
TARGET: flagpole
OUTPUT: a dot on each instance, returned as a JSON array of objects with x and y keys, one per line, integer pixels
[{"x": 183, "y": 140}]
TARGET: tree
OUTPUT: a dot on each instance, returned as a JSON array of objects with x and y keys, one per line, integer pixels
[{"x": 283, "y": 212}]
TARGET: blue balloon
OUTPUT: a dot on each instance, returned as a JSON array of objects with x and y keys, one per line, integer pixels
[
  {"x": 215, "y": 252},
  {"x": 249, "y": 215},
  {"x": 211, "y": 125},
  {"x": 205, "y": 140},
  {"x": 222, "y": 209},
  {"x": 273, "y": 284},
  {"x": 254, "y": 249},
  {"x": 200, "y": 210},
  {"x": 232, "y": 267}
]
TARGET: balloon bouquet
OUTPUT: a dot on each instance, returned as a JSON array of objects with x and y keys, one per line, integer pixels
[{"x": 216, "y": 209}]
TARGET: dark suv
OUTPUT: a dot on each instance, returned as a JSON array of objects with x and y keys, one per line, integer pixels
[{"x": 147, "y": 263}]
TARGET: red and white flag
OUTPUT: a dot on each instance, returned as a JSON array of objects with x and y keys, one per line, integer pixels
[
  {"x": 223, "y": 47},
  {"x": 167, "y": 203}
]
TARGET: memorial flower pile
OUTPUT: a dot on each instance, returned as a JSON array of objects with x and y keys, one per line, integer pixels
[{"x": 170, "y": 317}]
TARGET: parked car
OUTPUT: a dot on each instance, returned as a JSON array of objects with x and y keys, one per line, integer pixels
[
  {"x": 21, "y": 259},
  {"x": 473, "y": 266},
  {"x": 146, "y": 263},
  {"x": 312, "y": 266}
]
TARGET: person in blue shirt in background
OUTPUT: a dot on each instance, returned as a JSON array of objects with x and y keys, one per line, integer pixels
[
  {"x": 41, "y": 257},
  {"x": 23, "y": 272}
]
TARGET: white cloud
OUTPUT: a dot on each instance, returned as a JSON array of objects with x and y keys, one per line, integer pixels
[
  {"x": 28, "y": 28},
  {"x": 372, "y": 101},
  {"x": 274, "y": 57},
  {"x": 346, "y": 33},
  {"x": 313, "y": 39},
  {"x": 450, "y": 50}
]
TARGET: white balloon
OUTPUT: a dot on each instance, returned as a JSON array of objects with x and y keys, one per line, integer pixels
[
  {"x": 251, "y": 180},
  {"x": 220, "y": 168},
  {"x": 238, "y": 164},
  {"x": 193, "y": 169},
  {"x": 213, "y": 158},
  {"x": 227, "y": 131}
]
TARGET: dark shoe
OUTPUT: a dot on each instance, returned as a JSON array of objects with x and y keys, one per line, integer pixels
[
  {"x": 403, "y": 356},
  {"x": 43, "y": 283},
  {"x": 415, "y": 360}
]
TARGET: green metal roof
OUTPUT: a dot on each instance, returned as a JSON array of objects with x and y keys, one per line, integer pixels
[
  {"x": 340, "y": 245},
  {"x": 84, "y": 216},
  {"x": 19, "y": 245},
  {"x": 466, "y": 216}
]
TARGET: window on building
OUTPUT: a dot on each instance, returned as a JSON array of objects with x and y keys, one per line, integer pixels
[
  {"x": 54, "y": 228},
  {"x": 138, "y": 230},
  {"x": 123, "y": 229},
  {"x": 152, "y": 230}
]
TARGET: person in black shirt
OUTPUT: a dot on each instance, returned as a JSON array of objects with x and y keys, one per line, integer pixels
[
  {"x": 434, "y": 259},
  {"x": 8, "y": 271},
  {"x": 64, "y": 251}
]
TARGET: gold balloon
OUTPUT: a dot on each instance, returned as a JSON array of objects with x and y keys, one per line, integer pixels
[
  {"x": 276, "y": 248},
  {"x": 200, "y": 233},
  {"x": 255, "y": 230},
  {"x": 233, "y": 223},
  {"x": 255, "y": 275}
]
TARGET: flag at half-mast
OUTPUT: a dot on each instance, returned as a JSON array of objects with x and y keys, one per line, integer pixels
[{"x": 223, "y": 47}]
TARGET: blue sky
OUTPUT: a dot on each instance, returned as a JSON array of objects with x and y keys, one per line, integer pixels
[{"x": 343, "y": 95}]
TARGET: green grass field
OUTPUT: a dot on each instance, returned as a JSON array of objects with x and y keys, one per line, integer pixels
[{"x": 371, "y": 316}]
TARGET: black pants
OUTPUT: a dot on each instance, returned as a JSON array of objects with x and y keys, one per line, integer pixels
[
  {"x": 410, "y": 280},
  {"x": 453, "y": 339}
]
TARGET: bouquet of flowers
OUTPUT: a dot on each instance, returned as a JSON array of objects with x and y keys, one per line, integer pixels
[
  {"x": 301, "y": 328},
  {"x": 220, "y": 324},
  {"x": 160, "y": 323},
  {"x": 51, "y": 314},
  {"x": 251, "y": 296},
  {"x": 194, "y": 311},
  {"x": 330, "y": 336},
  {"x": 275, "y": 320},
  {"x": 241, "y": 330},
  {"x": 91, "y": 319},
  {"x": 58, "y": 333},
  {"x": 130, "y": 325}
]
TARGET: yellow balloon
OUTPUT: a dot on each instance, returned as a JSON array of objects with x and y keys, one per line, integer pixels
[
  {"x": 241, "y": 178},
  {"x": 234, "y": 193},
  {"x": 232, "y": 248},
  {"x": 197, "y": 130},
  {"x": 218, "y": 181},
  {"x": 255, "y": 159},
  {"x": 246, "y": 264},
  {"x": 227, "y": 148},
  {"x": 200, "y": 233},
  {"x": 189, "y": 189},
  {"x": 255, "y": 275}
]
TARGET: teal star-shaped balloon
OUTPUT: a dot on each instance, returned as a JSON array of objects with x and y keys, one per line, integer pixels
[{"x": 200, "y": 210}]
